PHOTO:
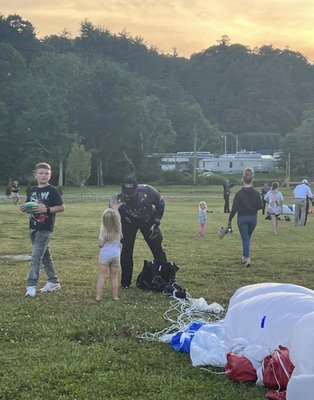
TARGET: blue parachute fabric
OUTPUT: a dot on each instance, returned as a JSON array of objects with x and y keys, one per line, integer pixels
[
  {"x": 195, "y": 326},
  {"x": 181, "y": 341}
]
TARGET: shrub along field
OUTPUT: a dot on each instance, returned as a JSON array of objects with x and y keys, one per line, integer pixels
[{"x": 66, "y": 346}]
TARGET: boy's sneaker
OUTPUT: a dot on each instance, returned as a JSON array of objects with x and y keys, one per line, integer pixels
[
  {"x": 50, "y": 287},
  {"x": 30, "y": 291}
]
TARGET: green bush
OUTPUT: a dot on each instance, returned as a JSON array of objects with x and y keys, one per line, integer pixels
[
  {"x": 215, "y": 179},
  {"x": 149, "y": 171},
  {"x": 175, "y": 177}
]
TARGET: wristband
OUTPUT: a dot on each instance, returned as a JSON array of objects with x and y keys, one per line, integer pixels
[{"x": 48, "y": 211}]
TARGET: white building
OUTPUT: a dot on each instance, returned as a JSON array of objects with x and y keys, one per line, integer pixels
[
  {"x": 183, "y": 161},
  {"x": 235, "y": 163},
  {"x": 225, "y": 164}
]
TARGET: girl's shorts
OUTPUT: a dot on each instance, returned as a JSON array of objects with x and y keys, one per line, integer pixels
[
  {"x": 110, "y": 262},
  {"x": 276, "y": 215}
]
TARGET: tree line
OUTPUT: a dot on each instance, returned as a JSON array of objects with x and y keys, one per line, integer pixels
[{"x": 122, "y": 99}]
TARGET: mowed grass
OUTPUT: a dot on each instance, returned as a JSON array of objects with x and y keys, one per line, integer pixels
[{"x": 65, "y": 346}]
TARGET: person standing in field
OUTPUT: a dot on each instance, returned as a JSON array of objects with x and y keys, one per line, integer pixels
[
  {"x": 274, "y": 199},
  {"x": 264, "y": 190},
  {"x": 41, "y": 224},
  {"x": 15, "y": 188},
  {"x": 202, "y": 217},
  {"x": 247, "y": 201},
  {"x": 110, "y": 236},
  {"x": 301, "y": 193},
  {"x": 227, "y": 189}
]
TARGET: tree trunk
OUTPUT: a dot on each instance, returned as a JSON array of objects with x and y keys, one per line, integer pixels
[
  {"x": 100, "y": 177},
  {"x": 129, "y": 161},
  {"x": 60, "y": 180}
]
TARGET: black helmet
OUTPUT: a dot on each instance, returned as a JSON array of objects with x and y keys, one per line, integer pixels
[{"x": 129, "y": 184}]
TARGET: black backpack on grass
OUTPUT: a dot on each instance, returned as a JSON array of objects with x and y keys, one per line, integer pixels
[{"x": 156, "y": 276}]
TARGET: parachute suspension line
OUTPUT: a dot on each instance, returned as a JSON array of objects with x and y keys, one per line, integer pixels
[
  {"x": 212, "y": 372},
  {"x": 181, "y": 313},
  {"x": 283, "y": 365},
  {"x": 277, "y": 355}
]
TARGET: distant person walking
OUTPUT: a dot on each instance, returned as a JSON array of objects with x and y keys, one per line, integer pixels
[
  {"x": 274, "y": 199},
  {"x": 247, "y": 201},
  {"x": 301, "y": 193},
  {"x": 15, "y": 188},
  {"x": 227, "y": 189},
  {"x": 264, "y": 190},
  {"x": 202, "y": 216}
]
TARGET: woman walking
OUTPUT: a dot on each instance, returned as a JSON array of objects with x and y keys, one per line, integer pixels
[{"x": 247, "y": 201}]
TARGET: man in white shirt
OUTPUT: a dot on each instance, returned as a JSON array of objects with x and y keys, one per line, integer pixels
[{"x": 302, "y": 192}]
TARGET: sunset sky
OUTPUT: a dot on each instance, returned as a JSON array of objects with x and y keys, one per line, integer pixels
[{"x": 188, "y": 25}]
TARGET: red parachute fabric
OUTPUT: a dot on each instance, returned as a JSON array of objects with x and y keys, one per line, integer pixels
[
  {"x": 240, "y": 369},
  {"x": 275, "y": 395},
  {"x": 277, "y": 369}
]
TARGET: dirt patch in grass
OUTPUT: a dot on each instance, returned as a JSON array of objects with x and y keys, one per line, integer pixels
[{"x": 16, "y": 257}]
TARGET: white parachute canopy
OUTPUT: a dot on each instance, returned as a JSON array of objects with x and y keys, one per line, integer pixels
[
  {"x": 259, "y": 318},
  {"x": 288, "y": 209},
  {"x": 264, "y": 314},
  {"x": 246, "y": 292},
  {"x": 301, "y": 384}
]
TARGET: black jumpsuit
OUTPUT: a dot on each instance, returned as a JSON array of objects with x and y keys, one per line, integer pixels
[{"x": 143, "y": 211}]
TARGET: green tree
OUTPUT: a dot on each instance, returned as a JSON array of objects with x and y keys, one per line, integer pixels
[
  {"x": 259, "y": 140},
  {"x": 79, "y": 164},
  {"x": 119, "y": 122},
  {"x": 155, "y": 131},
  {"x": 194, "y": 131},
  {"x": 300, "y": 144},
  {"x": 98, "y": 43},
  {"x": 244, "y": 90},
  {"x": 62, "y": 43},
  {"x": 44, "y": 126},
  {"x": 13, "y": 72},
  {"x": 20, "y": 34}
]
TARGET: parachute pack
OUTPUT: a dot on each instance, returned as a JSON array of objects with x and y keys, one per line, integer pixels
[{"x": 160, "y": 277}]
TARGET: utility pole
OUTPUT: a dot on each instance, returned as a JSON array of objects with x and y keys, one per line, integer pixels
[
  {"x": 225, "y": 139},
  {"x": 288, "y": 171}
]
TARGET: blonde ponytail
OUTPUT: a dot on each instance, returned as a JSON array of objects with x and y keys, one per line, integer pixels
[{"x": 248, "y": 175}]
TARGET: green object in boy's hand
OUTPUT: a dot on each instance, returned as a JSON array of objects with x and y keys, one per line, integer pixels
[{"x": 29, "y": 206}]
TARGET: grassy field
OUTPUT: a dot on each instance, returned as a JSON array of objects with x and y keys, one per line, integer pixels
[{"x": 65, "y": 346}]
